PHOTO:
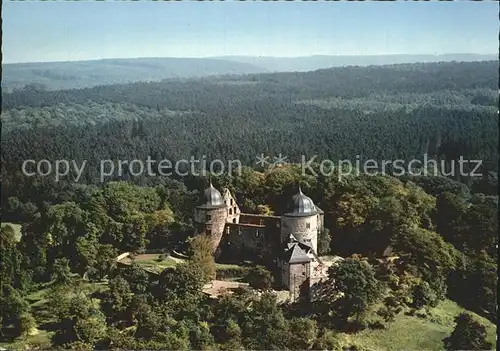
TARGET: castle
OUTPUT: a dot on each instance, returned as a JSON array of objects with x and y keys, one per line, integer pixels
[{"x": 288, "y": 242}]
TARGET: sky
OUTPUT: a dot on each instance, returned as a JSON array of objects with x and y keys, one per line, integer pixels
[{"x": 67, "y": 30}]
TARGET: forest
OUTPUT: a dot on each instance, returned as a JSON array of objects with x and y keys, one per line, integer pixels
[
  {"x": 82, "y": 74},
  {"x": 446, "y": 110},
  {"x": 60, "y": 277}
]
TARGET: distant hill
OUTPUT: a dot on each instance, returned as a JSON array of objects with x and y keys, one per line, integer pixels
[
  {"x": 81, "y": 74},
  {"x": 309, "y": 63}
]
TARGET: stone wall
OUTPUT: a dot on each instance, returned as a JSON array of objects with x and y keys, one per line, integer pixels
[
  {"x": 284, "y": 273},
  {"x": 321, "y": 222},
  {"x": 250, "y": 241},
  {"x": 212, "y": 222},
  {"x": 273, "y": 222},
  {"x": 305, "y": 229},
  {"x": 298, "y": 280},
  {"x": 233, "y": 211}
]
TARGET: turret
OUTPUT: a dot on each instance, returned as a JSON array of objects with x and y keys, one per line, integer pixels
[
  {"x": 301, "y": 220},
  {"x": 211, "y": 215}
]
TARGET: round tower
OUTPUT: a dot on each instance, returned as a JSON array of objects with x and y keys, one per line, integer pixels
[
  {"x": 210, "y": 217},
  {"x": 301, "y": 220}
]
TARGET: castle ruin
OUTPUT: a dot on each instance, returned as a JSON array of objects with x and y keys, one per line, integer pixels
[{"x": 288, "y": 242}]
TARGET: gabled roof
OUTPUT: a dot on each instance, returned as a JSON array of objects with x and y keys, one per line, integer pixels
[
  {"x": 297, "y": 255},
  {"x": 292, "y": 240}
]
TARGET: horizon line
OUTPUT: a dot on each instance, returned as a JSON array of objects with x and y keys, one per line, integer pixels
[{"x": 221, "y": 57}]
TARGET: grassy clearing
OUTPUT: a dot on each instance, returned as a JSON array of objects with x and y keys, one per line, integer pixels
[
  {"x": 38, "y": 301},
  {"x": 414, "y": 333},
  {"x": 16, "y": 227},
  {"x": 152, "y": 262},
  {"x": 38, "y": 337},
  {"x": 226, "y": 266},
  {"x": 156, "y": 265},
  {"x": 231, "y": 272}
]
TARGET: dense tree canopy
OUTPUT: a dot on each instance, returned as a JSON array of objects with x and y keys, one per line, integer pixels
[{"x": 441, "y": 231}]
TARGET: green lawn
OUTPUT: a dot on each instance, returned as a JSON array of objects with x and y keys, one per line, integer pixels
[
  {"x": 16, "y": 227},
  {"x": 39, "y": 308},
  {"x": 231, "y": 272},
  {"x": 39, "y": 337},
  {"x": 152, "y": 263},
  {"x": 414, "y": 333},
  {"x": 155, "y": 265},
  {"x": 226, "y": 266}
]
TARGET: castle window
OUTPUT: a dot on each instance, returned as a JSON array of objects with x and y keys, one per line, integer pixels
[
  {"x": 208, "y": 218},
  {"x": 208, "y": 231},
  {"x": 230, "y": 211},
  {"x": 308, "y": 225},
  {"x": 234, "y": 220},
  {"x": 232, "y": 202}
]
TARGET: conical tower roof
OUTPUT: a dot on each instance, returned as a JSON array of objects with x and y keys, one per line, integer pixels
[
  {"x": 212, "y": 198},
  {"x": 301, "y": 205}
]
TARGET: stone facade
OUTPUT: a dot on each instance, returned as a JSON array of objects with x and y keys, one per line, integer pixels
[
  {"x": 305, "y": 229},
  {"x": 295, "y": 277},
  {"x": 242, "y": 236},
  {"x": 212, "y": 223},
  {"x": 233, "y": 211}
]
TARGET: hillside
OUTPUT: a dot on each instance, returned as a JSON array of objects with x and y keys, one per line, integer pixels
[
  {"x": 406, "y": 332},
  {"x": 80, "y": 74},
  {"x": 309, "y": 63},
  {"x": 380, "y": 112},
  {"x": 415, "y": 333},
  {"x": 66, "y": 289}
]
